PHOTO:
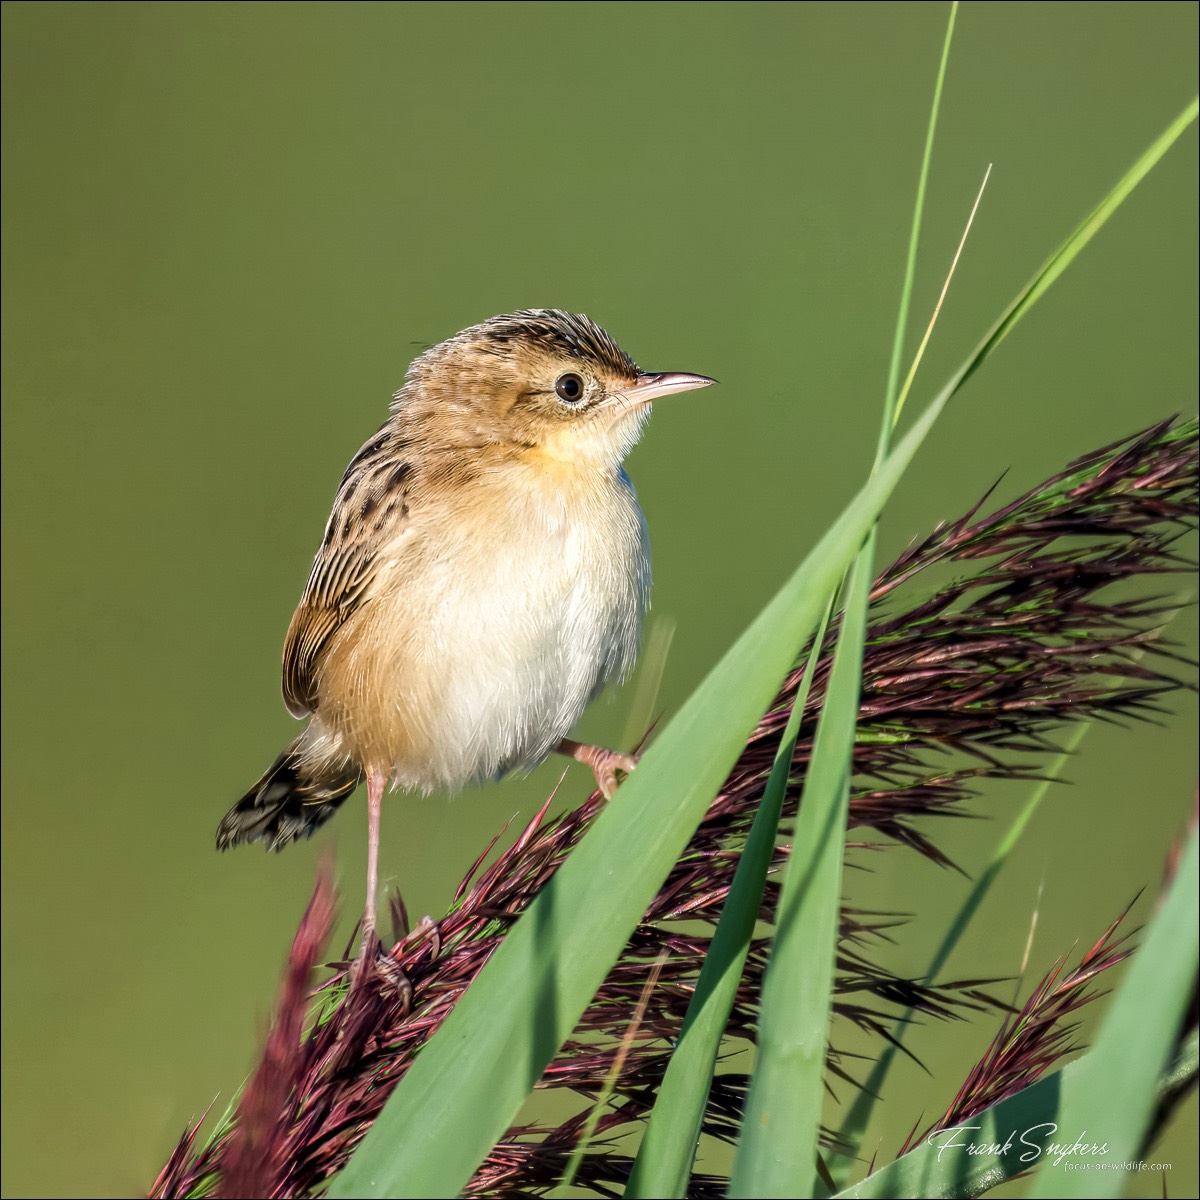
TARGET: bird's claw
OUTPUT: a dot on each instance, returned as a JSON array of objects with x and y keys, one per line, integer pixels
[
  {"x": 604, "y": 763},
  {"x": 430, "y": 929},
  {"x": 606, "y": 766},
  {"x": 373, "y": 960}
]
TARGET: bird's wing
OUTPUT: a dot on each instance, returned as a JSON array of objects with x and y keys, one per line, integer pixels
[{"x": 370, "y": 513}]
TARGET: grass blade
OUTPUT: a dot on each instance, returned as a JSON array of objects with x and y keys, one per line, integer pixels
[
  {"x": 664, "y": 1160},
  {"x": 891, "y": 408},
  {"x": 777, "y": 1153},
  {"x": 1013, "y": 1136},
  {"x": 933, "y": 1170},
  {"x": 1111, "y": 1098},
  {"x": 855, "y": 1124}
]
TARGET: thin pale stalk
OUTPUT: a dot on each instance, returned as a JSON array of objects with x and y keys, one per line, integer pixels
[
  {"x": 891, "y": 409},
  {"x": 937, "y": 308},
  {"x": 618, "y": 1065}
]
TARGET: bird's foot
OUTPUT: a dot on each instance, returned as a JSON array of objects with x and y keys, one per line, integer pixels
[
  {"x": 374, "y": 961},
  {"x": 604, "y": 763},
  {"x": 431, "y": 932}
]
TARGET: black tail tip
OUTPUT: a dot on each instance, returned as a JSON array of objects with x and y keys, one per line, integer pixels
[{"x": 289, "y": 802}]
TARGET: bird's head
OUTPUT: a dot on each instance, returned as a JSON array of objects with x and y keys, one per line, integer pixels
[{"x": 549, "y": 382}]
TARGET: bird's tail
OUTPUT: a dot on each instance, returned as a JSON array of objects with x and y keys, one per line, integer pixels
[{"x": 291, "y": 800}]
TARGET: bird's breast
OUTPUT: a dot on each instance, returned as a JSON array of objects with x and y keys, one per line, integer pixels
[{"x": 497, "y": 624}]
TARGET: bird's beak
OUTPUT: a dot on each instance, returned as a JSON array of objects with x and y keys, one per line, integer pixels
[{"x": 650, "y": 386}]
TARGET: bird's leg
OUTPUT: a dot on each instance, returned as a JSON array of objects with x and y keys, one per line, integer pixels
[
  {"x": 604, "y": 763},
  {"x": 368, "y": 951},
  {"x": 375, "y": 784}
]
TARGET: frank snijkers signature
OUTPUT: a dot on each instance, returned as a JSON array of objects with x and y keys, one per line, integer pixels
[{"x": 1031, "y": 1144}]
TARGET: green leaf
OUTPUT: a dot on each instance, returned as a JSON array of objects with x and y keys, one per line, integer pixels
[
  {"x": 855, "y": 1124},
  {"x": 663, "y": 1165},
  {"x": 1013, "y": 1136},
  {"x": 777, "y": 1153},
  {"x": 1110, "y": 1100}
]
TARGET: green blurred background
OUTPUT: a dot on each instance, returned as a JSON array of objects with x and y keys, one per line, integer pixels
[{"x": 227, "y": 230}]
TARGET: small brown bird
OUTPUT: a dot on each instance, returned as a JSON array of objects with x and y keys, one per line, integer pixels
[{"x": 483, "y": 575}]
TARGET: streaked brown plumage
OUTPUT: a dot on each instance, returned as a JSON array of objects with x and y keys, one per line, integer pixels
[{"x": 483, "y": 575}]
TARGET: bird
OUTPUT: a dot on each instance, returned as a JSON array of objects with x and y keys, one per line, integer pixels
[{"x": 483, "y": 575}]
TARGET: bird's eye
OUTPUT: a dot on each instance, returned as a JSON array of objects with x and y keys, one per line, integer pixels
[{"x": 569, "y": 388}]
